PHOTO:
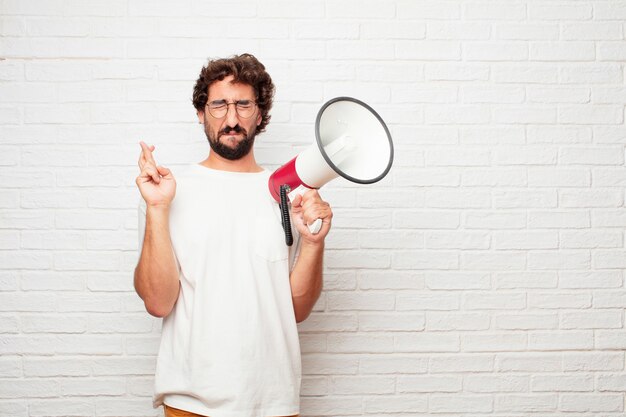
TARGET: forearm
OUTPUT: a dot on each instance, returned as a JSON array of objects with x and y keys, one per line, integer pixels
[
  {"x": 156, "y": 275},
  {"x": 307, "y": 279}
]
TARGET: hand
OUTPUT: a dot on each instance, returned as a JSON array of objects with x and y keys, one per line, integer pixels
[
  {"x": 156, "y": 183},
  {"x": 307, "y": 208}
]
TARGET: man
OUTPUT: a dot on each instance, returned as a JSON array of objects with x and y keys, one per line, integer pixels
[{"x": 215, "y": 265}]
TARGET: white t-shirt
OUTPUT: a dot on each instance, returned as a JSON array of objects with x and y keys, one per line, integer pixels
[{"x": 230, "y": 347}]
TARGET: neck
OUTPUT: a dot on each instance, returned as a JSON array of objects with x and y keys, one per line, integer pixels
[{"x": 245, "y": 164}]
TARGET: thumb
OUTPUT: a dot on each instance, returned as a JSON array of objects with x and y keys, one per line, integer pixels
[{"x": 164, "y": 172}]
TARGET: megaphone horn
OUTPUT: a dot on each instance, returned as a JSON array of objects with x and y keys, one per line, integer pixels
[{"x": 352, "y": 141}]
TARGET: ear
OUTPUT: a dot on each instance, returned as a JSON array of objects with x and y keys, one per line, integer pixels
[
  {"x": 200, "y": 114},
  {"x": 259, "y": 118}
]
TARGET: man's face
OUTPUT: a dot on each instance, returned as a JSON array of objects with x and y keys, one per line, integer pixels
[{"x": 230, "y": 136}]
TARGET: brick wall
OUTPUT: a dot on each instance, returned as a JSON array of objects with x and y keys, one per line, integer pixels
[{"x": 482, "y": 277}]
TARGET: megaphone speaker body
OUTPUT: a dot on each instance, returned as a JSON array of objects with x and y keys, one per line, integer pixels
[{"x": 352, "y": 141}]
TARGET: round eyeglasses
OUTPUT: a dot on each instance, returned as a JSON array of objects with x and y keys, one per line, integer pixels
[{"x": 219, "y": 108}]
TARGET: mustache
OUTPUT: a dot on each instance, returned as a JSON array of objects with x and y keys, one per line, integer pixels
[{"x": 234, "y": 129}]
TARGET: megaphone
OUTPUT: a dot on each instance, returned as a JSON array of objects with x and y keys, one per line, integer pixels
[{"x": 352, "y": 141}]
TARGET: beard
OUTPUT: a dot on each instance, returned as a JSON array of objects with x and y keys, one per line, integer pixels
[{"x": 241, "y": 148}]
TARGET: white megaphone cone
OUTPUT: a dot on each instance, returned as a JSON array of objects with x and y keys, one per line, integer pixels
[{"x": 352, "y": 140}]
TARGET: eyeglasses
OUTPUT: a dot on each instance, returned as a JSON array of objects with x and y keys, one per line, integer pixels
[{"x": 219, "y": 108}]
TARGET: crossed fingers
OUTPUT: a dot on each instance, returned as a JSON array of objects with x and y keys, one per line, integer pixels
[{"x": 147, "y": 164}]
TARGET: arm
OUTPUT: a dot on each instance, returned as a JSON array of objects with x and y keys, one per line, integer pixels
[
  {"x": 306, "y": 278},
  {"x": 156, "y": 275}
]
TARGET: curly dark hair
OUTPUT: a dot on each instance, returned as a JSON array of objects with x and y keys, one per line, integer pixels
[{"x": 245, "y": 69}]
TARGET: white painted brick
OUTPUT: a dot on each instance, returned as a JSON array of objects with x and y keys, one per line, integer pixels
[
  {"x": 529, "y": 403},
  {"x": 558, "y": 177},
  {"x": 526, "y": 31},
  {"x": 419, "y": 259},
  {"x": 457, "y": 281},
  {"x": 330, "y": 364},
  {"x": 428, "y": 384},
  {"x": 561, "y": 383},
  {"x": 332, "y": 406},
  {"x": 453, "y": 71},
  {"x": 15, "y": 408},
  {"x": 456, "y": 240},
  {"x": 610, "y": 339},
  {"x": 449, "y": 30},
  {"x": 494, "y": 177},
  {"x": 579, "y": 300},
  {"x": 427, "y": 342},
  {"x": 496, "y": 383},
  {"x": 420, "y": 302},
  {"x": 391, "y": 322},
  {"x": 558, "y": 95},
  {"x": 53, "y": 367},
  {"x": 490, "y": 94},
  {"x": 591, "y": 74},
  {"x": 591, "y": 31},
  {"x": 386, "y": 364},
  {"x": 456, "y": 114},
  {"x": 457, "y": 198},
  {"x": 488, "y": 11},
  {"x": 558, "y": 219},
  {"x": 611, "y": 51},
  {"x": 608, "y": 218},
  {"x": 527, "y": 199},
  {"x": 489, "y": 301},
  {"x": 596, "y": 114},
  {"x": 562, "y": 51},
  {"x": 428, "y": 50},
  {"x": 370, "y": 9},
  {"x": 580, "y": 239},
  {"x": 456, "y": 321},
  {"x": 93, "y": 386},
  {"x": 389, "y": 240},
  {"x": 123, "y": 407},
  {"x": 457, "y": 157},
  {"x": 426, "y": 220},
  {"x": 494, "y": 220},
  {"x": 495, "y": 51},
  {"x": 609, "y": 259},
  {"x": 52, "y": 324},
  {"x": 599, "y": 197},
  {"x": 592, "y": 402},
  {"x": 429, "y": 9},
  {"x": 564, "y": 259},
  {"x": 605, "y": 319},
  {"x": 529, "y": 362},
  {"x": 524, "y": 73},
  {"x": 359, "y": 385},
  {"x": 28, "y": 388},
  {"x": 418, "y": 93},
  {"x": 358, "y": 343},
  {"x": 460, "y": 403},
  {"x": 526, "y": 321},
  {"x": 123, "y": 366},
  {"x": 311, "y": 387},
  {"x": 461, "y": 363},
  {"x": 560, "y": 341},
  {"x": 8, "y": 325},
  {"x": 52, "y": 280},
  {"x": 612, "y": 382},
  {"x": 395, "y": 404},
  {"x": 559, "y": 11},
  {"x": 525, "y": 240},
  {"x": 373, "y": 198},
  {"x": 610, "y": 299},
  {"x": 593, "y": 361},
  {"x": 604, "y": 155},
  {"x": 594, "y": 279},
  {"x": 559, "y": 134},
  {"x": 11, "y": 367},
  {"x": 493, "y": 261},
  {"x": 605, "y": 95},
  {"x": 372, "y": 280},
  {"x": 512, "y": 280}
]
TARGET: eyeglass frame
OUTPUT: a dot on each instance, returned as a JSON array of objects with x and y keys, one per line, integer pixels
[{"x": 236, "y": 103}]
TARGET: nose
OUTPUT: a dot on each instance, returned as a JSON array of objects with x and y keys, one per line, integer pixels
[{"x": 232, "y": 119}]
